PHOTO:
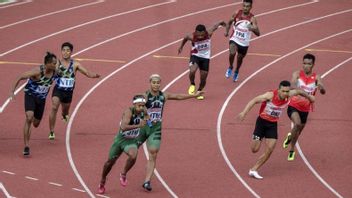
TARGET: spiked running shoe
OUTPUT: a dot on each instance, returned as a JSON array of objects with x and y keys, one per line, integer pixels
[
  {"x": 254, "y": 174},
  {"x": 26, "y": 151},
  {"x": 123, "y": 180},
  {"x": 287, "y": 140},
  {"x": 228, "y": 73},
  {"x": 200, "y": 97},
  {"x": 235, "y": 77},
  {"x": 147, "y": 186},
  {"x": 101, "y": 189},
  {"x": 191, "y": 89},
  {"x": 65, "y": 118},
  {"x": 51, "y": 135},
  {"x": 291, "y": 156}
]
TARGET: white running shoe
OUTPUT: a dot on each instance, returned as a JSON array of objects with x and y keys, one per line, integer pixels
[{"x": 254, "y": 174}]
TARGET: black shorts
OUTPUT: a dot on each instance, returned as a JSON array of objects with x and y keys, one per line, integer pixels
[
  {"x": 264, "y": 128},
  {"x": 203, "y": 63},
  {"x": 303, "y": 115},
  {"x": 64, "y": 96},
  {"x": 240, "y": 49},
  {"x": 35, "y": 104}
]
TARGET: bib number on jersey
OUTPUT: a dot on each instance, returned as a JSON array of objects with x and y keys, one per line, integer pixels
[
  {"x": 66, "y": 82},
  {"x": 42, "y": 89},
  {"x": 130, "y": 134}
]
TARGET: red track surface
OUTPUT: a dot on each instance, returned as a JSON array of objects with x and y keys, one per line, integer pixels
[{"x": 190, "y": 161}]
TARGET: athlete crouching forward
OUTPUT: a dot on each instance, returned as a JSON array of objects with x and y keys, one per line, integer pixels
[{"x": 128, "y": 140}]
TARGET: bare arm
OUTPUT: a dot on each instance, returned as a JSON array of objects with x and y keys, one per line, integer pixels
[
  {"x": 294, "y": 92},
  {"x": 85, "y": 72},
  {"x": 294, "y": 79},
  {"x": 261, "y": 98},
  {"x": 172, "y": 96},
  {"x": 320, "y": 85},
  {"x": 184, "y": 41},
  {"x": 228, "y": 25},
  {"x": 215, "y": 27},
  {"x": 125, "y": 122},
  {"x": 26, "y": 75},
  {"x": 254, "y": 26}
]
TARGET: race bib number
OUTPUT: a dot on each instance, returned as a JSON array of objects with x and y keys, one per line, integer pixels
[
  {"x": 42, "y": 89},
  {"x": 130, "y": 134},
  {"x": 66, "y": 82},
  {"x": 241, "y": 35},
  {"x": 275, "y": 114},
  {"x": 155, "y": 115}
]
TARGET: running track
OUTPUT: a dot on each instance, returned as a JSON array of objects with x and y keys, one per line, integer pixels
[{"x": 205, "y": 150}]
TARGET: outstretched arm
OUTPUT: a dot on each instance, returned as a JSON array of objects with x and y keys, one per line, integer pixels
[
  {"x": 254, "y": 26},
  {"x": 184, "y": 41},
  {"x": 228, "y": 25},
  {"x": 216, "y": 26},
  {"x": 261, "y": 98},
  {"x": 33, "y": 73},
  {"x": 294, "y": 92},
  {"x": 85, "y": 72},
  {"x": 172, "y": 96},
  {"x": 320, "y": 85}
]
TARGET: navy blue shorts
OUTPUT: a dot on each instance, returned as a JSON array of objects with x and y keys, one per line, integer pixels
[{"x": 264, "y": 128}]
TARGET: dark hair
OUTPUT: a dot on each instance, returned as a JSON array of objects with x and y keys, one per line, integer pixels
[
  {"x": 285, "y": 83},
  {"x": 309, "y": 56},
  {"x": 200, "y": 28},
  {"x": 67, "y": 44},
  {"x": 49, "y": 57},
  {"x": 248, "y": 1}
]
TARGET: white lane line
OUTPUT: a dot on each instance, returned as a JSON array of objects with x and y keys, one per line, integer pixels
[
  {"x": 55, "y": 184},
  {"x": 16, "y": 4},
  {"x": 79, "y": 190},
  {"x": 7, "y": 2},
  {"x": 8, "y": 172},
  {"x": 223, "y": 152},
  {"x": 50, "y": 13},
  {"x": 31, "y": 178},
  {"x": 2, "y": 187},
  {"x": 301, "y": 152},
  {"x": 98, "y": 195},
  {"x": 84, "y": 24}
]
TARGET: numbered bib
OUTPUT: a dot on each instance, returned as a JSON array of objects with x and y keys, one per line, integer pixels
[
  {"x": 130, "y": 134},
  {"x": 66, "y": 82},
  {"x": 42, "y": 89}
]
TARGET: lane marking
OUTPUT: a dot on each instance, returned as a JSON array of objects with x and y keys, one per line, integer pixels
[
  {"x": 99, "y": 195},
  {"x": 16, "y": 4},
  {"x": 6, "y": 2},
  {"x": 55, "y": 184},
  {"x": 184, "y": 57},
  {"x": 31, "y": 178},
  {"x": 51, "y": 13},
  {"x": 328, "y": 50},
  {"x": 84, "y": 24},
  {"x": 10, "y": 173},
  {"x": 2, "y": 187},
  {"x": 301, "y": 152},
  {"x": 223, "y": 152}
]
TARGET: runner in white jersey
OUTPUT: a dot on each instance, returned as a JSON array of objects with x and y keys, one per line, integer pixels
[
  {"x": 200, "y": 55},
  {"x": 243, "y": 24},
  {"x": 273, "y": 103},
  {"x": 65, "y": 83}
]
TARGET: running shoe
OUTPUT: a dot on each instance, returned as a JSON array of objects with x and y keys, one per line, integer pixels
[
  {"x": 235, "y": 77},
  {"x": 26, "y": 151},
  {"x": 65, "y": 118},
  {"x": 147, "y": 186},
  {"x": 51, "y": 135},
  {"x": 228, "y": 73},
  {"x": 123, "y": 180},
  {"x": 291, "y": 156},
  {"x": 101, "y": 189},
  {"x": 254, "y": 174},
  {"x": 200, "y": 97},
  {"x": 191, "y": 89},
  {"x": 287, "y": 140}
]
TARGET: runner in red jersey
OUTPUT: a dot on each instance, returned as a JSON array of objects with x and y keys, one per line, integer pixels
[
  {"x": 200, "y": 55},
  {"x": 243, "y": 23},
  {"x": 273, "y": 103},
  {"x": 299, "y": 107}
]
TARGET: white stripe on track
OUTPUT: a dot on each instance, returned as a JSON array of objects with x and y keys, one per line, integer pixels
[
  {"x": 16, "y": 4},
  {"x": 50, "y": 13}
]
